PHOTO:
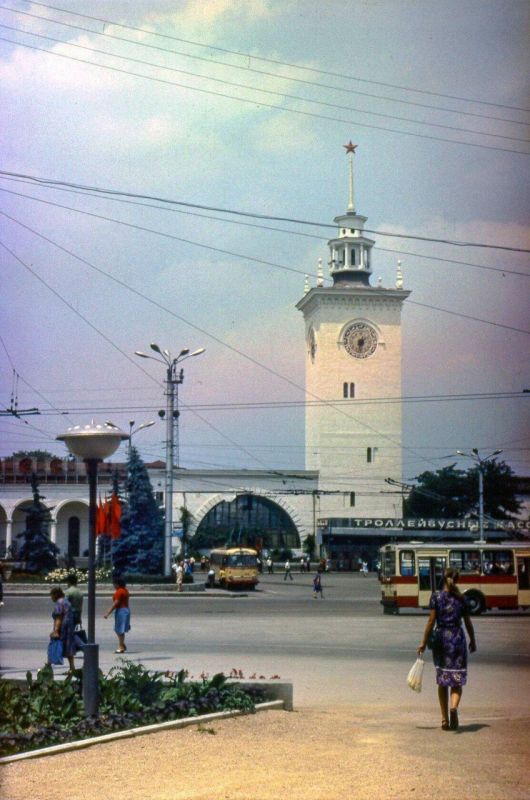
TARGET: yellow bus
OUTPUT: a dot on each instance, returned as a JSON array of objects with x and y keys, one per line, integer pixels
[
  {"x": 491, "y": 575},
  {"x": 235, "y": 567}
]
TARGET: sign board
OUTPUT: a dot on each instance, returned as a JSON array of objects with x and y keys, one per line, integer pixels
[
  {"x": 178, "y": 532},
  {"x": 425, "y": 523}
]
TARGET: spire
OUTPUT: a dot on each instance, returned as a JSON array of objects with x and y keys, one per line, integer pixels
[
  {"x": 350, "y": 150},
  {"x": 399, "y": 276},
  {"x": 306, "y": 284}
]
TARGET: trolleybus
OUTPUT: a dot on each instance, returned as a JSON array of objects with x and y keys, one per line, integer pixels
[
  {"x": 491, "y": 575},
  {"x": 235, "y": 567}
]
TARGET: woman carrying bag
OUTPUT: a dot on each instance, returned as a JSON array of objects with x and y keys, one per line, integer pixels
[
  {"x": 449, "y": 646},
  {"x": 62, "y": 636}
]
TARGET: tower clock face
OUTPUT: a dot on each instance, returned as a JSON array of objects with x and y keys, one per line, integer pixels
[
  {"x": 360, "y": 340},
  {"x": 312, "y": 343}
]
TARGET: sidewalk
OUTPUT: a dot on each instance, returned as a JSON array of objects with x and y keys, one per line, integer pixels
[{"x": 340, "y": 753}]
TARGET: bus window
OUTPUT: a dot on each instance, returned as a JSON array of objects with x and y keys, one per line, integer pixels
[
  {"x": 497, "y": 562},
  {"x": 407, "y": 562},
  {"x": 465, "y": 560},
  {"x": 240, "y": 560},
  {"x": 388, "y": 566}
]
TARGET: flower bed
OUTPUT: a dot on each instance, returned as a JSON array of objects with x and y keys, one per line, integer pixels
[{"x": 47, "y": 712}]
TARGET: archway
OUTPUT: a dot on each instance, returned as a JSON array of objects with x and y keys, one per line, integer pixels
[{"x": 250, "y": 520}]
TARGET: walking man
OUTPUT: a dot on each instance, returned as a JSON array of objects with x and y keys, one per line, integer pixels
[{"x": 287, "y": 570}]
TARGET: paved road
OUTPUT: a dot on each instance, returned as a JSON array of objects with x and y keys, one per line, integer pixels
[{"x": 340, "y": 649}]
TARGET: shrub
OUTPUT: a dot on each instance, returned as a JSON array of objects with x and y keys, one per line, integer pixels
[{"x": 47, "y": 712}]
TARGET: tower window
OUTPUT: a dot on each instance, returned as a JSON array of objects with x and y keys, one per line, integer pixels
[
  {"x": 371, "y": 453},
  {"x": 348, "y": 390},
  {"x": 352, "y": 499},
  {"x": 353, "y": 262}
]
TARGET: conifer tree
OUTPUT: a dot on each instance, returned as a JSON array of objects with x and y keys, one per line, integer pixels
[
  {"x": 140, "y": 547},
  {"x": 37, "y": 550}
]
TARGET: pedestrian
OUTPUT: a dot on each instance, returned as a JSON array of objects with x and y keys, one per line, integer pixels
[
  {"x": 302, "y": 564},
  {"x": 364, "y": 569},
  {"x": 122, "y": 614},
  {"x": 192, "y": 565},
  {"x": 63, "y": 624},
  {"x": 317, "y": 586},
  {"x": 1, "y": 583},
  {"x": 203, "y": 563},
  {"x": 287, "y": 570},
  {"x": 269, "y": 566},
  {"x": 449, "y": 647},
  {"x": 179, "y": 575},
  {"x": 75, "y": 597}
]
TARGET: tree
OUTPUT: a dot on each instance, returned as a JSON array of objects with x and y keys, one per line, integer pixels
[
  {"x": 453, "y": 493},
  {"x": 37, "y": 550},
  {"x": 140, "y": 548},
  {"x": 310, "y": 544},
  {"x": 40, "y": 454}
]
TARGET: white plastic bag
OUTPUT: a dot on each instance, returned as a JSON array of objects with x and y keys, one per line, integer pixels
[{"x": 415, "y": 676}]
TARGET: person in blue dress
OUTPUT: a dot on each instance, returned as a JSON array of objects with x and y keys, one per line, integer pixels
[
  {"x": 63, "y": 624},
  {"x": 449, "y": 646}
]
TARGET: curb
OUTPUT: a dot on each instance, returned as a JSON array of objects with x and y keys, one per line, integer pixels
[{"x": 145, "y": 729}]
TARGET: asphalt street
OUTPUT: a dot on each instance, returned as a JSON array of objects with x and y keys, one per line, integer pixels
[{"x": 341, "y": 649}]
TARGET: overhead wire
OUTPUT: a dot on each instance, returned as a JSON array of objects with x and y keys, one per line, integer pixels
[
  {"x": 269, "y": 92},
  {"x": 215, "y": 249},
  {"x": 254, "y": 215},
  {"x": 192, "y": 325},
  {"x": 261, "y": 103},
  {"x": 85, "y": 193},
  {"x": 248, "y": 69},
  {"x": 254, "y": 57}
]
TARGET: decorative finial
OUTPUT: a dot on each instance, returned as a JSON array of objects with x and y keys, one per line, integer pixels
[
  {"x": 380, "y": 282},
  {"x": 350, "y": 150},
  {"x": 320, "y": 273},
  {"x": 306, "y": 284},
  {"x": 399, "y": 276}
]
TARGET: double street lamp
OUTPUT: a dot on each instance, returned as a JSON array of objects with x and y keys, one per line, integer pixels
[
  {"x": 480, "y": 461},
  {"x": 173, "y": 380},
  {"x": 93, "y": 443}
]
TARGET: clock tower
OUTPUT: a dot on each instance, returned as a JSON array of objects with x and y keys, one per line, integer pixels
[{"x": 353, "y": 376}]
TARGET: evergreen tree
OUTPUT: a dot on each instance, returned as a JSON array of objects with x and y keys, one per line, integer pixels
[
  {"x": 37, "y": 550},
  {"x": 140, "y": 547}
]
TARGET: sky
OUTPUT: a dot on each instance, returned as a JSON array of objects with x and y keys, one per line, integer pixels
[{"x": 246, "y": 106}]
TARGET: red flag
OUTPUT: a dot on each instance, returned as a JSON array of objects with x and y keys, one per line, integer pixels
[
  {"x": 115, "y": 517},
  {"x": 100, "y": 518}
]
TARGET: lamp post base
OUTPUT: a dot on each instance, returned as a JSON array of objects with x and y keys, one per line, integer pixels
[{"x": 91, "y": 679}]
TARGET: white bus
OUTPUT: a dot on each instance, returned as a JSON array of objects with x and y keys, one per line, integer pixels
[{"x": 491, "y": 575}]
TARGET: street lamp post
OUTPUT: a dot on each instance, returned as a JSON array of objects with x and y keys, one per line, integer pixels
[
  {"x": 172, "y": 382},
  {"x": 480, "y": 462},
  {"x": 93, "y": 443}
]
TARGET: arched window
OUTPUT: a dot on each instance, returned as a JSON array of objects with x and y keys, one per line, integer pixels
[
  {"x": 74, "y": 526},
  {"x": 353, "y": 256},
  {"x": 248, "y": 520}
]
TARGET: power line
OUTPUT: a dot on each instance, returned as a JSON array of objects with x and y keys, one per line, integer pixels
[
  {"x": 261, "y": 103},
  {"x": 111, "y": 192},
  {"x": 207, "y": 247},
  {"x": 271, "y": 92},
  {"x": 249, "y": 56},
  {"x": 224, "y": 220},
  {"x": 248, "y": 69},
  {"x": 287, "y": 404},
  {"x": 187, "y": 322}
]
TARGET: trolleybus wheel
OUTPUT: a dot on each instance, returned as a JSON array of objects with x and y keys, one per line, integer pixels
[{"x": 475, "y": 603}]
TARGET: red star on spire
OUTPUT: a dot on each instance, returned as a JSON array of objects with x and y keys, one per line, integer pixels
[{"x": 350, "y": 147}]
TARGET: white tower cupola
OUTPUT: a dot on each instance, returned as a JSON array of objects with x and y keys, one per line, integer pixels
[{"x": 350, "y": 251}]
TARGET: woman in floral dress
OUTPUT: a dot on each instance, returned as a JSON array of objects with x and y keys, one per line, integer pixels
[{"x": 449, "y": 646}]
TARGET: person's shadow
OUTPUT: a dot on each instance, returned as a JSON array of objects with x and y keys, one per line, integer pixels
[{"x": 472, "y": 728}]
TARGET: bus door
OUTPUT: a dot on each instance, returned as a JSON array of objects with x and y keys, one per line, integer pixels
[
  {"x": 523, "y": 579},
  {"x": 430, "y": 574}
]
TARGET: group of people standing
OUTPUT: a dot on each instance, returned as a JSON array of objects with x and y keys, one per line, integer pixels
[{"x": 67, "y": 619}]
